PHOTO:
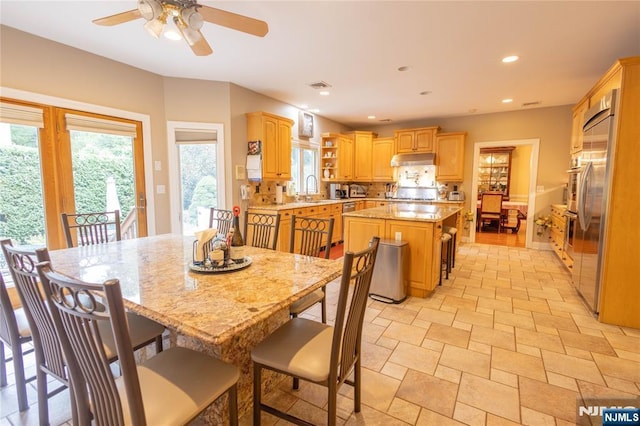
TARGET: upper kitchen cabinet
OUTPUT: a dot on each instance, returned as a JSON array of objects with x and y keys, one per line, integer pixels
[
  {"x": 415, "y": 140},
  {"x": 450, "y": 156},
  {"x": 383, "y": 150},
  {"x": 576, "y": 127},
  {"x": 363, "y": 160},
  {"x": 275, "y": 133},
  {"x": 494, "y": 170},
  {"x": 336, "y": 157}
]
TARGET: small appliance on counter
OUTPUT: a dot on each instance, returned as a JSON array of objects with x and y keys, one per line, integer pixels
[
  {"x": 455, "y": 195},
  {"x": 345, "y": 191},
  {"x": 357, "y": 191},
  {"x": 335, "y": 193}
]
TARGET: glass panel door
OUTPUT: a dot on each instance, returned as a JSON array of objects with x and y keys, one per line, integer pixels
[
  {"x": 198, "y": 184},
  {"x": 22, "y": 216}
]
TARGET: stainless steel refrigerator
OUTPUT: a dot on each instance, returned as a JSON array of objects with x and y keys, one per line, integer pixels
[{"x": 593, "y": 188}]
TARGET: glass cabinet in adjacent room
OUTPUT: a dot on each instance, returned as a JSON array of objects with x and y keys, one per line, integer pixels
[{"x": 494, "y": 170}]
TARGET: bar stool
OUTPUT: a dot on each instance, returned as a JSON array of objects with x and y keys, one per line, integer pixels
[
  {"x": 445, "y": 258},
  {"x": 454, "y": 234}
]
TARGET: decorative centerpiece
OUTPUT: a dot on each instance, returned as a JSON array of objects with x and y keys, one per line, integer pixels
[
  {"x": 542, "y": 224},
  {"x": 214, "y": 252}
]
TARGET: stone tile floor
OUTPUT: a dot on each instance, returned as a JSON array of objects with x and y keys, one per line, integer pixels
[{"x": 506, "y": 340}]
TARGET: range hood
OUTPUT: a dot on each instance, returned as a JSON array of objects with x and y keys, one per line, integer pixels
[{"x": 421, "y": 159}]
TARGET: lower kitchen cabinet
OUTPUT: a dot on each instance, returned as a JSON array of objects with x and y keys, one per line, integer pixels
[{"x": 557, "y": 234}]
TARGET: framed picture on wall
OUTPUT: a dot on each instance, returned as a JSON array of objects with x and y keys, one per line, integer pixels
[{"x": 305, "y": 125}]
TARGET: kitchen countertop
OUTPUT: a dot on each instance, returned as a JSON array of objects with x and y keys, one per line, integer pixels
[
  {"x": 301, "y": 204},
  {"x": 407, "y": 211}
]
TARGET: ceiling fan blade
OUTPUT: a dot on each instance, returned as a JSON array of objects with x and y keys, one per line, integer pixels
[
  {"x": 118, "y": 18},
  {"x": 194, "y": 39},
  {"x": 234, "y": 21}
]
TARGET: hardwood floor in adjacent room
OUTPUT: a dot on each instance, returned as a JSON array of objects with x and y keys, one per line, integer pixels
[{"x": 505, "y": 238}]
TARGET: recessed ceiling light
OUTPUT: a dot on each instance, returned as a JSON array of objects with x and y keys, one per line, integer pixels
[
  {"x": 304, "y": 106},
  {"x": 404, "y": 68},
  {"x": 425, "y": 93},
  {"x": 508, "y": 59},
  {"x": 371, "y": 117},
  {"x": 324, "y": 93},
  {"x": 507, "y": 101},
  {"x": 315, "y": 110}
]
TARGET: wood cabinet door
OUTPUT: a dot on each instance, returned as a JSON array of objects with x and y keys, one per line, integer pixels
[
  {"x": 450, "y": 157},
  {"x": 345, "y": 158},
  {"x": 358, "y": 232},
  {"x": 284, "y": 150},
  {"x": 404, "y": 141},
  {"x": 381, "y": 152},
  {"x": 576, "y": 125},
  {"x": 270, "y": 151},
  {"x": 423, "y": 140},
  {"x": 363, "y": 160}
]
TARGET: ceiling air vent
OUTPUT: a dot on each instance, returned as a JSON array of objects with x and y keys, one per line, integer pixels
[
  {"x": 320, "y": 85},
  {"x": 528, "y": 104},
  {"x": 385, "y": 120}
]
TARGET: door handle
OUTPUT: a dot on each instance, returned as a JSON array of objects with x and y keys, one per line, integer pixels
[
  {"x": 142, "y": 202},
  {"x": 584, "y": 217}
]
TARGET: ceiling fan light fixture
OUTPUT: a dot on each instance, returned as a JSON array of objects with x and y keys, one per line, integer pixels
[
  {"x": 191, "y": 36},
  {"x": 154, "y": 27},
  {"x": 191, "y": 18},
  {"x": 150, "y": 9}
]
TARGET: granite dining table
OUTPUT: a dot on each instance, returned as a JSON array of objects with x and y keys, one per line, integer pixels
[{"x": 222, "y": 314}]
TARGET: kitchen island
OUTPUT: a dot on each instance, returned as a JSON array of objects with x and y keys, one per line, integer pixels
[{"x": 418, "y": 224}]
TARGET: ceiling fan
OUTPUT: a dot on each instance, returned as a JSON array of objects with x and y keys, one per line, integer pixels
[{"x": 188, "y": 17}]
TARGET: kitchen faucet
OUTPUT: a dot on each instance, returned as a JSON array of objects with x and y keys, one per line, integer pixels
[{"x": 315, "y": 179}]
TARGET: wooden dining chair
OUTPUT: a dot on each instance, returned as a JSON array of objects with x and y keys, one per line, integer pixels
[
  {"x": 220, "y": 219},
  {"x": 14, "y": 333},
  {"x": 48, "y": 351},
  {"x": 320, "y": 353},
  {"x": 91, "y": 228},
  {"x": 261, "y": 229},
  {"x": 309, "y": 236},
  {"x": 170, "y": 388},
  {"x": 490, "y": 209}
]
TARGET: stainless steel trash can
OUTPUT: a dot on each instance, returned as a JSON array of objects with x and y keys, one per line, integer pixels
[{"x": 387, "y": 282}]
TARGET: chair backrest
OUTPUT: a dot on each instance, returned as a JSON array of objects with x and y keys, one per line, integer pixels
[
  {"x": 309, "y": 235},
  {"x": 222, "y": 220},
  {"x": 22, "y": 264},
  {"x": 261, "y": 229},
  {"x": 75, "y": 310},
  {"x": 92, "y": 228},
  {"x": 491, "y": 203},
  {"x": 357, "y": 271},
  {"x": 8, "y": 325}
]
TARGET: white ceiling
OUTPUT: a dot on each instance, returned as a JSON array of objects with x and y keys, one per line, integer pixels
[{"x": 453, "y": 49}]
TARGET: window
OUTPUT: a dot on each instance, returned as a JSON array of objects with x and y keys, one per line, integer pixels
[{"x": 304, "y": 163}]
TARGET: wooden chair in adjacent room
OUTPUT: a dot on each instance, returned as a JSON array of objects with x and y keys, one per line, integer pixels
[
  {"x": 261, "y": 229},
  {"x": 490, "y": 210},
  {"x": 320, "y": 353},
  {"x": 14, "y": 333},
  {"x": 310, "y": 236},
  {"x": 172, "y": 387},
  {"x": 220, "y": 219},
  {"x": 91, "y": 228},
  {"x": 48, "y": 351}
]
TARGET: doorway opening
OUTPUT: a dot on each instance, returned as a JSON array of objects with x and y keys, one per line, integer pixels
[
  {"x": 526, "y": 199},
  {"x": 196, "y": 173}
]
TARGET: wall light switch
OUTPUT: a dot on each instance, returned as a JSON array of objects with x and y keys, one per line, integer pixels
[
  {"x": 157, "y": 165},
  {"x": 240, "y": 172},
  {"x": 160, "y": 189}
]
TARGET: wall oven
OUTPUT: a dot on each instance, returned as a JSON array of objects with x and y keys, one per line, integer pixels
[
  {"x": 573, "y": 187},
  {"x": 569, "y": 233}
]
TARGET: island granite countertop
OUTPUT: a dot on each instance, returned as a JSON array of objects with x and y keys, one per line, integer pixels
[{"x": 407, "y": 211}]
